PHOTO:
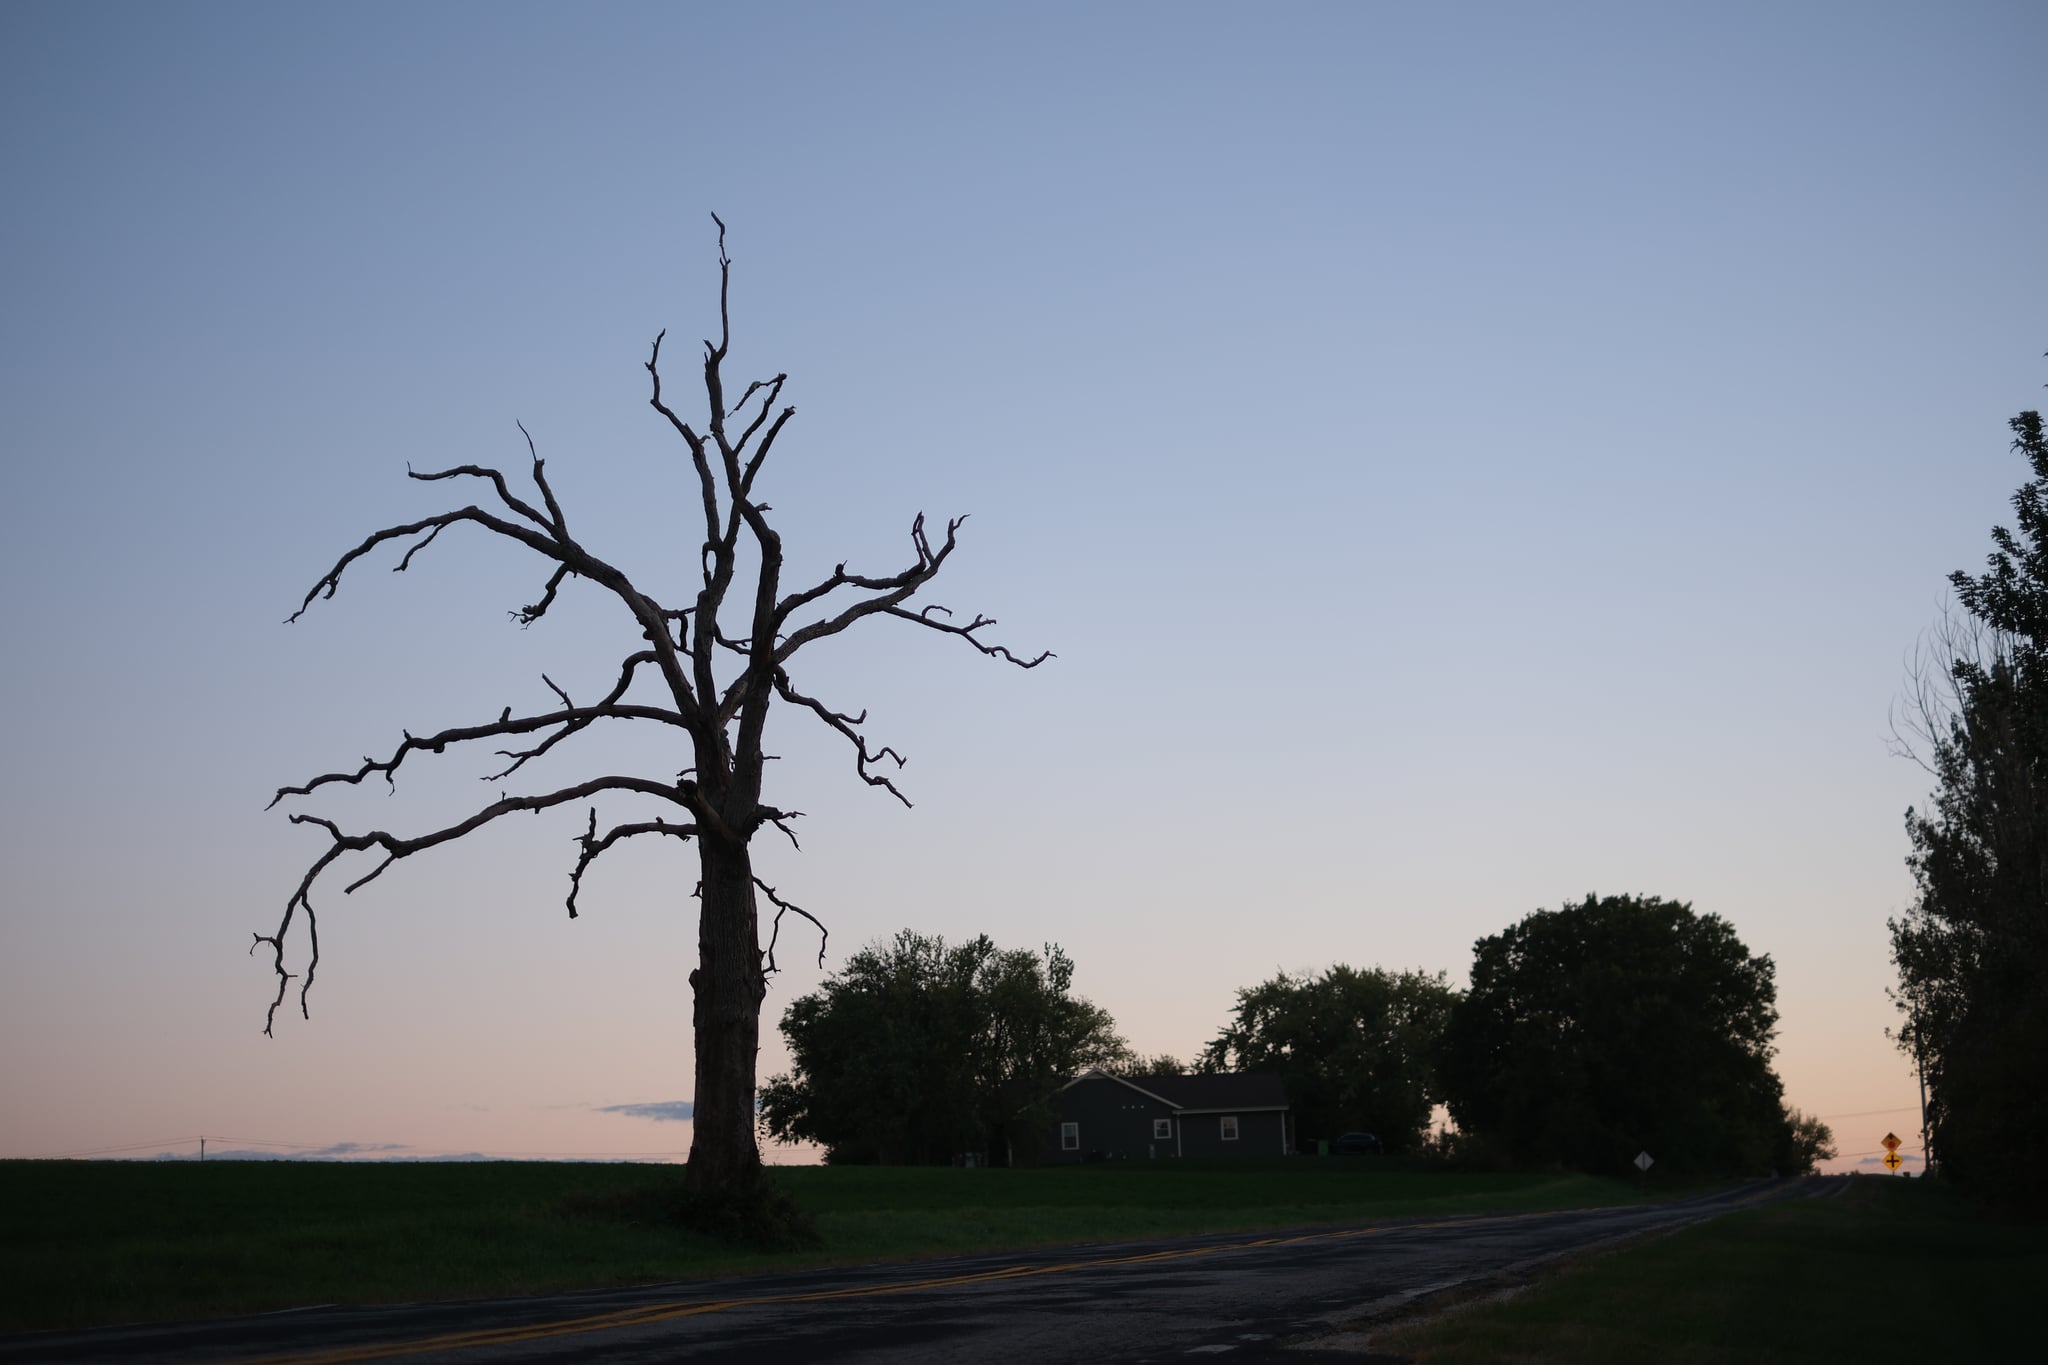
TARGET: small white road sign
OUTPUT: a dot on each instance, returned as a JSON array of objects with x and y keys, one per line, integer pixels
[{"x": 1643, "y": 1161}]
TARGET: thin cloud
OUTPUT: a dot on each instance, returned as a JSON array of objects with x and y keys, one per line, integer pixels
[{"x": 664, "y": 1111}]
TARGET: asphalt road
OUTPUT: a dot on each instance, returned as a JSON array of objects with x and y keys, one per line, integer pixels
[{"x": 1295, "y": 1296}]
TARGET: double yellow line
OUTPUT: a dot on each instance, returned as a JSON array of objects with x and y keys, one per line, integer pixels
[{"x": 648, "y": 1314}]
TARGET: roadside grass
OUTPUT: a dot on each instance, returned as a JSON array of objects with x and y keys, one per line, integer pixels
[
  {"x": 1887, "y": 1270},
  {"x": 90, "y": 1243}
]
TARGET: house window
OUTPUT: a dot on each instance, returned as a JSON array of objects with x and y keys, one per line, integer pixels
[
  {"x": 1070, "y": 1137},
  {"x": 1230, "y": 1127},
  {"x": 1162, "y": 1129}
]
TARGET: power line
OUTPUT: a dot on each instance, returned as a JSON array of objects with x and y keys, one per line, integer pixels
[{"x": 108, "y": 1151}]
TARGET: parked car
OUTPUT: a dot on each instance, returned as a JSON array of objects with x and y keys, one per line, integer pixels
[{"x": 1355, "y": 1144}]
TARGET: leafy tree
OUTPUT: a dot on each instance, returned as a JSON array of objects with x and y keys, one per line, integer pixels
[
  {"x": 916, "y": 1051},
  {"x": 1160, "y": 1064},
  {"x": 1357, "y": 1049},
  {"x": 1615, "y": 1026},
  {"x": 700, "y": 671},
  {"x": 1972, "y": 950},
  {"x": 1806, "y": 1142}
]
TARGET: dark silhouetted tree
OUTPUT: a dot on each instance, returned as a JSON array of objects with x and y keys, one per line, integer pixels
[
  {"x": 1807, "y": 1142},
  {"x": 1357, "y": 1049},
  {"x": 1615, "y": 1026},
  {"x": 1158, "y": 1064},
  {"x": 1972, "y": 949},
  {"x": 916, "y": 1051},
  {"x": 700, "y": 674}
]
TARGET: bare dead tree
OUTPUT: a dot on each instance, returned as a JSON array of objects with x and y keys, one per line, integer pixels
[
  {"x": 716, "y": 688},
  {"x": 1924, "y": 714}
]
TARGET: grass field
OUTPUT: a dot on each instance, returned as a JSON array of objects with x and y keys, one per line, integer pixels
[
  {"x": 84, "y": 1243},
  {"x": 1889, "y": 1270}
]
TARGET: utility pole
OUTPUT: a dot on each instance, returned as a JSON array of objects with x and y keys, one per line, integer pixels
[
  {"x": 1920, "y": 1061},
  {"x": 202, "y": 1147}
]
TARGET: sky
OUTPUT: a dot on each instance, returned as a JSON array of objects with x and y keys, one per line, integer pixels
[{"x": 1463, "y": 457}]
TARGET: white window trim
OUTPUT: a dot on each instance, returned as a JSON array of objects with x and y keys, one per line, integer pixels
[
  {"x": 1162, "y": 1129},
  {"x": 1228, "y": 1125},
  {"x": 1070, "y": 1137}
]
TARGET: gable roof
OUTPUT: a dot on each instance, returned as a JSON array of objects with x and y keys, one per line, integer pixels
[{"x": 1203, "y": 1093}]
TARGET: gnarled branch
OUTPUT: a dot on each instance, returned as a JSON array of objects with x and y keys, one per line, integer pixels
[
  {"x": 783, "y": 907},
  {"x": 609, "y": 708},
  {"x": 557, "y": 523},
  {"x": 590, "y": 845},
  {"x": 845, "y": 724},
  {"x": 571, "y": 720},
  {"x": 538, "y": 541},
  {"x": 966, "y": 632},
  {"x": 396, "y": 848},
  {"x": 527, "y": 615},
  {"x": 497, "y": 480},
  {"x": 891, "y": 591}
]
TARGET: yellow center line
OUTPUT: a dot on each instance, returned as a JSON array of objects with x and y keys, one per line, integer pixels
[{"x": 649, "y": 1314}]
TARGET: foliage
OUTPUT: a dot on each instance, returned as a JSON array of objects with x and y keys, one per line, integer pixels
[
  {"x": 917, "y": 1051},
  {"x": 1972, "y": 950},
  {"x": 1138, "y": 1064},
  {"x": 1616, "y": 1026},
  {"x": 1357, "y": 1049},
  {"x": 1806, "y": 1142}
]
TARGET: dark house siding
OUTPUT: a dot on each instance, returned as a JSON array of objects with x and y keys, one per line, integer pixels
[
  {"x": 1258, "y": 1134},
  {"x": 1115, "y": 1121}
]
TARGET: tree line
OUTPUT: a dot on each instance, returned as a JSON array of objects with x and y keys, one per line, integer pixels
[
  {"x": 1972, "y": 948},
  {"x": 1589, "y": 1034}
]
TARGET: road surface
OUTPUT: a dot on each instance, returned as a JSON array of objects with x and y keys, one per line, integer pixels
[{"x": 1289, "y": 1296}]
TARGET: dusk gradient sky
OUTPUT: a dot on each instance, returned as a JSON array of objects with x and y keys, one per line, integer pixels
[{"x": 1464, "y": 456}]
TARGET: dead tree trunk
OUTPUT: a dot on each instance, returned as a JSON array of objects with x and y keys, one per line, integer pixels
[
  {"x": 729, "y": 984},
  {"x": 703, "y": 687}
]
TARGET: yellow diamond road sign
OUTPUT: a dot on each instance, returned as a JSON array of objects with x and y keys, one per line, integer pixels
[
  {"x": 1892, "y": 1161},
  {"x": 1891, "y": 1142}
]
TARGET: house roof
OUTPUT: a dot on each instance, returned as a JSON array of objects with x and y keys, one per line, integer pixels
[{"x": 1198, "y": 1093}]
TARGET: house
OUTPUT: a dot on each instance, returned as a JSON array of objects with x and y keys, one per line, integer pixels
[{"x": 1100, "y": 1117}]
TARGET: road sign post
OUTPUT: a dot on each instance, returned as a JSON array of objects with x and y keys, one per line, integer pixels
[{"x": 1892, "y": 1159}]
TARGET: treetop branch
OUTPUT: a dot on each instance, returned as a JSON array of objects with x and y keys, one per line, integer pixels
[
  {"x": 966, "y": 633},
  {"x": 890, "y": 592},
  {"x": 331, "y": 580},
  {"x": 556, "y": 521},
  {"x": 497, "y": 480}
]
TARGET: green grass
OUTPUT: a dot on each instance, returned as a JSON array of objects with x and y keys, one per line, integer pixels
[
  {"x": 1890, "y": 1270},
  {"x": 84, "y": 1243}
]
